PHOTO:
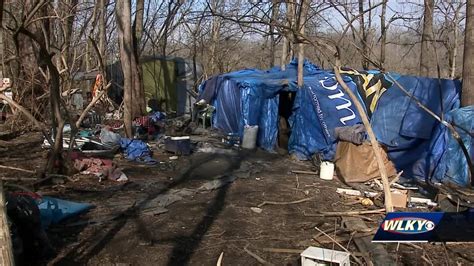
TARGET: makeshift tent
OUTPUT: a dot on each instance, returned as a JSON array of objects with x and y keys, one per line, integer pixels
[
  {"x": 250, "y": 97},
  {"x": 166, "y": 79}
]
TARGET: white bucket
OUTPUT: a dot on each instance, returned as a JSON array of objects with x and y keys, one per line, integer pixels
[
  {"x": 249, "y": 140},
  {"x": 326, "y": 171}
]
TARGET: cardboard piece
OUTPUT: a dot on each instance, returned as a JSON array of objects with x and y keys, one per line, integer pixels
[
  {"x": 399, "y": 198},
  {"x": 357, "y": 163}
]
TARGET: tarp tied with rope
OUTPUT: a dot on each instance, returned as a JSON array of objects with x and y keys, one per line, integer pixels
[{"x": 411, "y": 135}]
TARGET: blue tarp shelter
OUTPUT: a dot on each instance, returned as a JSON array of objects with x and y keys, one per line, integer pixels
[{"x": 412, "y": 137}]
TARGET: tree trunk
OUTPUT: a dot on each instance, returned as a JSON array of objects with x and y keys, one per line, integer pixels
[
  {"x": 273, "y": 21},
  {"x": 123, "y": 16},
  {"x": 453, "y": 49},
  {"x": 427, "y": 49},
  {"x": 6, "y": 251},
  {"x": 138, "y": 94},
  {"x": 363, "y": 30},
  {"x": 383, "y": 35},
  {"x": 301, "y": 26},
  {"x": 215, "y": 36},
  {"x": 102, "y": 31},
  {"x": 287, "y": 33},
  {"x": 467, "y": 97}
]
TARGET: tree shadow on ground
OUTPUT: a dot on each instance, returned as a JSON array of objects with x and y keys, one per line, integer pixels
[{"x": 184, "y": 247}]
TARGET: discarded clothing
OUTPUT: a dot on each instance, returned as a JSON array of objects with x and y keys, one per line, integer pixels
[
  {"x": 157, "y": 117},
  {"x": 101, "y": 168},
  {"x": 137, "y": 150},
  {"x": 354, "y": 134}
]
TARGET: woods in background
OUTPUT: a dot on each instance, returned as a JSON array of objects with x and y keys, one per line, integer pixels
[{"x": 47, "y": 45}]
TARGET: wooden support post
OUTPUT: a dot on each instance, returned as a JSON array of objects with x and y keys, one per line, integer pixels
[
  {"x": 373, "y": 140},
  {"x": 6, "y": 252}
]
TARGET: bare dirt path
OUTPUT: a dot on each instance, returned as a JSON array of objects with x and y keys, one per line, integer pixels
[{"x": 196, "y": 229}]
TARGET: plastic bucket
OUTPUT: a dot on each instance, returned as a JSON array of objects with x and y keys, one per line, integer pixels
[
  {"x": 326, "y": 171},
  {"x": 249, "y": 140}
]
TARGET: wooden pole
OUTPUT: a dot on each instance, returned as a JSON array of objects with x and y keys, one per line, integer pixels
[
  {"x": 373, "y": 140},
  {"x": 6, "y": 253}
]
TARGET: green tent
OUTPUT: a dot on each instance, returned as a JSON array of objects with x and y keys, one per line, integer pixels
[{"x": 159, "y": 80}]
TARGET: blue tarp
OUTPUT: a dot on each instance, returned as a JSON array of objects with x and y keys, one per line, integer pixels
[
  {"x": 53, "y": 210},
  {"x": 136, "y": 150},
  {"x": 250, "y": 97},
  {"x": 404, "y": 128},
  {"x": 447, "y": 161}
]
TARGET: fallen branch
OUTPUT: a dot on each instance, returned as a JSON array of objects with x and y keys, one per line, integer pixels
[
  {"x": 19, "y": 179},
  {"x": 283, "y": 202},
  {"x": 359, "y": 262},
  {"x": 91, "y": 104},
  {"x": 284, "y": 250},
  {"x": 304, "y": 172},
  {"x": 29, "y": 116},
  {"x": 396, "y": 178},
  {"x": 348, "y": 213},
  {"x": 255, "y": 256},
  {"x": 219, "y": 261},
  {"x": 17, "y": 169},
  {"x": 373, "y": 140}
]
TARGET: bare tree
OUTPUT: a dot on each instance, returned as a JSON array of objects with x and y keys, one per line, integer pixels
[
  {"x": 102, "y": 31},
  {"x": 427, "y": 40},
  {"x": 123, "y": 17},
  {"x": 383, "y": 33},
  {"x": 287, "y": 33},
  {"x": 303, "y": 11},
  {"x": 275, "y": 10},
  {"x": 138, "y": 91},
  {"x": 452, "y": 16},
  {"x": 6, "y": 251},
  {"x": 467, "y": 97},
  {"x": 364, "y": 30}
]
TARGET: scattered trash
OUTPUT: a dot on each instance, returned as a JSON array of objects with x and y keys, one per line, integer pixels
[
  {"x": 231, "y": 139},
  {"x": 399, "y": 198},
  {"x": 108, "y": 137},
  {"x": 173, "y": 158},
  {"x": 356, "y": 163},
  {"x": 366, "y": 202},
  {"x": 423, "y": 201},
  {"x": 218, "y": 183},
  {"x": 103, "y": 168},
  {"x": 256, "y": 209},
  {"x": 178, "y": 145},
  {"x": 316, "y": 256},
  {"x": 216, "y": 150},
  {"x": 249, "y": 140},
  {"x": 326, "y": 170},
  {"x": 137, "y": 150},
  {"x": 353, "y": 192}
]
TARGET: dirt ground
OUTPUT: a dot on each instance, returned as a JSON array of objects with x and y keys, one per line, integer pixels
[{"x": 198, "y": 228}]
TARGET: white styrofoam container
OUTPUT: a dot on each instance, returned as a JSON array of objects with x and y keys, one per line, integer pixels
[{"x": 313, "y": 256}]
